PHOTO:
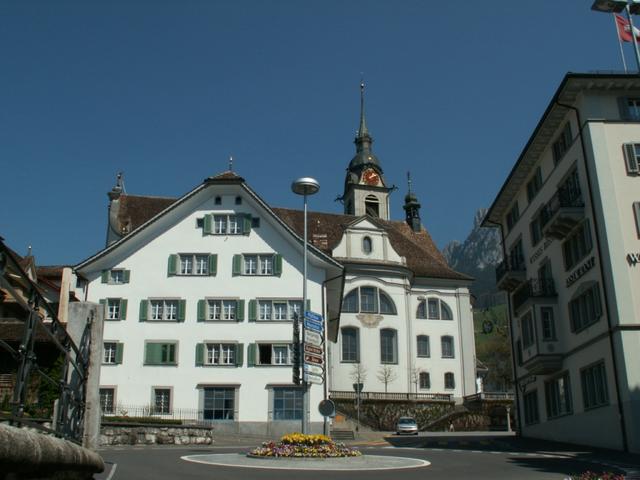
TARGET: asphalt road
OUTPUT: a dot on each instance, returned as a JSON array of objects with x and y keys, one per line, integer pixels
[{"x": 164, "y": 462}]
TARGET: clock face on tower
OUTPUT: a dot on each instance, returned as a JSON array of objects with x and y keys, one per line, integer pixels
[{"x": 370, "y": 177}]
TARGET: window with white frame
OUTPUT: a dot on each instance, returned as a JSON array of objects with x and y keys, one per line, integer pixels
[
  {"x": 220, "y": 354},
  {"x": 219, "y": 403},
  {"x": 278, "y": 310},
  {"x": 115, "y": 308},
  {"x": 585, "y": 308},
  {"x": 162, "y": 400},
  {"x": 109, "y": 353},
  {"x": 548, "y": 324},
  {"x": 368, "y": 300},
  {"x": 221, "y": 309},
  {"x": 434, "y": 309},
  {"x": 632, "y": 158},
  {"x": 259, "y": 264},
  {"x": 115, "y": 276},
  {"x": 194, "y": 264},
  {"x": 107, "y": 400},
  {"x": 350, "y": 344},
  {"x": 425, "y": 380},
  {"x": 226, "y": 225},
  {"x": 558, "y": 396},
  {"x": 166, "y": 310},
  {"x": 423, "y": 346},
  {"x": 388, "y": 346},
  {"x": 274, "y": 354},
  {"x": 594, "y": 386},
  {"x": 446, "y": 343}
]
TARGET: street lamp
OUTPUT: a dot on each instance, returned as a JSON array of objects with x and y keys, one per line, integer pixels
[
  {"x": 304, "y": 186},
  {"x": 617, "y": 6}
]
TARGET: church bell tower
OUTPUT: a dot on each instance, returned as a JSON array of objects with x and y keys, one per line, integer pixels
[{"x": 365, "y": 190}]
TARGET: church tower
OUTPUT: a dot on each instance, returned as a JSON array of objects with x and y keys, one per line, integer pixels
[{"x": 365, "y": 190}]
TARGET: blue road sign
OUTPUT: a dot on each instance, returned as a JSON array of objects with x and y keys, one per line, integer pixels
[
  {"x": 313, "y": 316},
  {"x": 315, "y": 326}
]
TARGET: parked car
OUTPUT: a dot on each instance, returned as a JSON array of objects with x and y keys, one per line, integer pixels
[{"x": 407, "y": 425}]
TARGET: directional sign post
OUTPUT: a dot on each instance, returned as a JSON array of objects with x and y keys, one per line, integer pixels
[
  {"x": 313, "y": 338},
  {"x": 315, "y": 369},
  {"x": 311, "y": 378},
  {"x": 313, "y": 316},
  {"x": 315, "y": 326},
  {"x": 313, "y": 349}
]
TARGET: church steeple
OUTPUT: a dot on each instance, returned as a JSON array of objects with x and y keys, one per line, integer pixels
[
  {"x": 412, "y": 208},
  {"x": 365, "y": 192}
]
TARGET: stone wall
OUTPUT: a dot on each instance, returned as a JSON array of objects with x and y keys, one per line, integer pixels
[{"x": 145, "y": 434}]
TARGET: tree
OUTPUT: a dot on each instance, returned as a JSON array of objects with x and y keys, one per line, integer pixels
[
  {"x": 358, "y": 373},
  {"x": 415, "y": 376},
  {"x": 386, "y": 374}
]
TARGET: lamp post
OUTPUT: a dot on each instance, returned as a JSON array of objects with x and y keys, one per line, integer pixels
[
  {"x": 617, "y": 6},
  {"x": 304, "y": 186}
]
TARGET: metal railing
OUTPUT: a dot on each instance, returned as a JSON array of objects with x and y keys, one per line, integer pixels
[
  {"x": 392, "y": 396},
  {"x": 565, "y": 197},
  {"x": 149, "y": 413},
  {"x": 515, "y": 263},
  {"x": 533, "y": 288},
  {"x": 490, "y": 396},
  {"x": 55, "y": 389}
]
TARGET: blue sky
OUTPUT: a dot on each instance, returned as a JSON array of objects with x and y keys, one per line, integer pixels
[{"x": 166, "y": 90}]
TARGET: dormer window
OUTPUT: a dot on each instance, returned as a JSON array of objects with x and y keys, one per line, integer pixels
[{"x": 367, "y": 246}]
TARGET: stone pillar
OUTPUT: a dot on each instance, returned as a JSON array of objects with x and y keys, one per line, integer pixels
[
  {"x": 508, "y": 419},
  {"x": 65, "y": 288},
  {"x": 82, "y": 315}
]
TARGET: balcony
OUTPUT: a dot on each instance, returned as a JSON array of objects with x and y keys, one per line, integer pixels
[
  {"x": 544, "y": 363},
  {"x": 533, "y": 290},
  {"x": 510, "y": 274},
  {"x": 563, "y": 212}
]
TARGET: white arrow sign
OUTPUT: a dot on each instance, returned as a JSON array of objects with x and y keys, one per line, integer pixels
[
  {"x": 311, "y": 378},
  {"x": 313, "y": 338},
  {"x": 314, "y": 369}
]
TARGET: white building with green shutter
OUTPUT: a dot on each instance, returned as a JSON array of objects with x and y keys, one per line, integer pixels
[{"x": 199, "y": 299}]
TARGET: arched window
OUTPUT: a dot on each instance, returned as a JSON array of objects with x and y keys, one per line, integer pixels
[
  {"x": 388, "y": 346},
  {"x": 368, "y": 300},
  {"x": 372, "y": 206},
  {"x": 386, "y": 304},
  {"x": 367, "y": 246},
  {"x": 434, "y": 309},
  {"x": 350, "y": 302},
  {"x": 423, "y": 346},
  {"x": 449, "y": 381},
  {"x": 447, "y": 346},
  {"x": 425, "y": 380},
  {"x": 350, "y": 345}
]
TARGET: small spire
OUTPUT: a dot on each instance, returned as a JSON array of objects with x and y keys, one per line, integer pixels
[
  {"x": 231, "y": 163},
  {"x": 29, "y": 251},
  {"x": 362, "y": 131},
  {"x": 409, "y": 181}
]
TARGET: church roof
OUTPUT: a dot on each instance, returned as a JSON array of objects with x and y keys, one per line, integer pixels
[{"x": 325, "y": 232}]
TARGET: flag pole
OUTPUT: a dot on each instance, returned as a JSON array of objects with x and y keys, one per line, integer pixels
[
  {"x": 633, "y": 36},
  {"x": 624, "y": 62}
]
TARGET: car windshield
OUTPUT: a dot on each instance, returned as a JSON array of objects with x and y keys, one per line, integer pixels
[{"x": 405, "y": 421}]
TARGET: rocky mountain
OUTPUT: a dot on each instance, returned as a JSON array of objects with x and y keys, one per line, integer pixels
[{"x": 478, "y": 256}]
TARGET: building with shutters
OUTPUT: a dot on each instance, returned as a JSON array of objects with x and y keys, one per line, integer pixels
[
  {"x": 200, "y": 292},
  {"x": 569, "y": 212}
]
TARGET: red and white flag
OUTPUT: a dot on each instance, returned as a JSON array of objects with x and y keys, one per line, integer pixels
[{"x": 624, "y": 29}]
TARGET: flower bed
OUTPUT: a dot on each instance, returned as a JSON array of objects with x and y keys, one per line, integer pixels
[{"x": 299, "y": 445}]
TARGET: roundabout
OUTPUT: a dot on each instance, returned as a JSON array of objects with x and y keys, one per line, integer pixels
[{"x": 363, "y": 462}]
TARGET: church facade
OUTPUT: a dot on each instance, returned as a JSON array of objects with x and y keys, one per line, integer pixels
[{"x": 200, "y": 292}]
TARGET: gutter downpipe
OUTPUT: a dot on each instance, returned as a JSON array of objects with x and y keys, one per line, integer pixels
[
  {"x": 623, "y": 428},
  {"x": 512, "y": 337}
]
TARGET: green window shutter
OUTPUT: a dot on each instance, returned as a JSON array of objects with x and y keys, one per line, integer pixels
[
  {"x": 253, "y": 307},
  {"x": 251, "y": 355},
  {"x": 199, "y": 354},
  {"x": 105, "y": 276},
  {"x": 246, "y": 224},
  {"x": 144, "y": 306},
  {"x": 119, "y": 350},
  {"x": 237, "y": 265},
  {"x": 182, "y": 308},
  {"x": 213, "y": 264},
  {"x": 277, "y": 265},
  {"x": 123, "y": 309},
  {"x": 240, "y": 310},
  {"x": 239, "y": 354},
  {"x": 172, "y": 265},
  {"x": 208, "y": 224},
  {"x": 201, "y": 310},
  {"x": 126, "y": 276},
  {"x": 153, "y": 354}
]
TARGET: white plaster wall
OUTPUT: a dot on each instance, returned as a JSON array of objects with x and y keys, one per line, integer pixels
[{"x": 148, "y": 265}]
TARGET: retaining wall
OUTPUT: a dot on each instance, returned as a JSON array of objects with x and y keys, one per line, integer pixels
[{"x": 145, "y": 434}]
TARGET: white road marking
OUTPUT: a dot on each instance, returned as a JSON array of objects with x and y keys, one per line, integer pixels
[{"x": 113, "y": 470}]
